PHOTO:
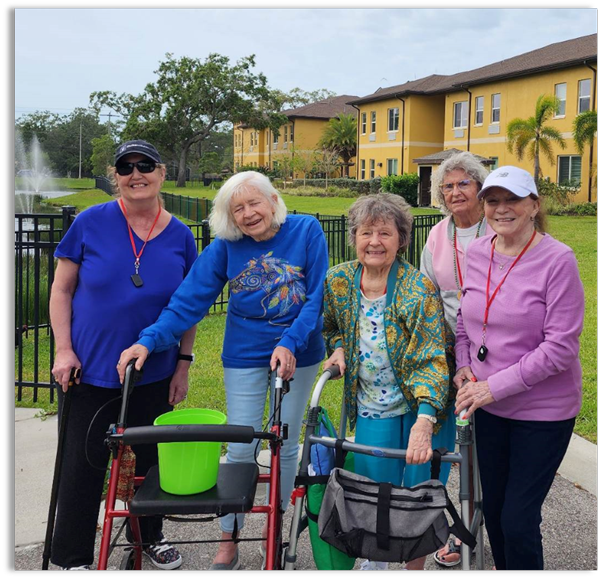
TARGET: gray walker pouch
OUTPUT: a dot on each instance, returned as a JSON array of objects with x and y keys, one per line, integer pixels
[{"x": 383, "y": 522}]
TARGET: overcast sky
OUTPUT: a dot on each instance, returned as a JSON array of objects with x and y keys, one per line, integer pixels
[{"x": 63, "y": 55}]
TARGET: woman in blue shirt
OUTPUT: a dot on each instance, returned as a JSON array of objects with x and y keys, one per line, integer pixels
[
  {"x": 118, "y": 265},
  {"x": 275, "y": 265}
]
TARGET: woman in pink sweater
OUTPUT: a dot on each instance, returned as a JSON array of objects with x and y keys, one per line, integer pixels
[{"x": 517, "y": 354}]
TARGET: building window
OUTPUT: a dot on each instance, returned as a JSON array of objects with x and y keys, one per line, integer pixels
[
  {"x": 371, "y": 168},
  {"x": 393, "y": 119},
  {"x": 373, "y": 121},
  {"x": 285, "y": 134},
  {"x": 479, "y": 110},
  {"x": 584, "y": 96},
  {"x": 569, "y": 170},
  {"x": 494, "y": 165},
  {"x": 496, "y": 108},
  {"x": 268, "y": 137},
  {"x": 392, "y": 166},
  {"x": 460, "y": 115},
  {"x": 363, "y": 123},
  {"x": 291, "y": 133},
  {"x": 362, "y": 169},
  {"x": 275, "y": 138},
  {"x": 560, "y": 92},
  {"x": 252, "y": 139}
]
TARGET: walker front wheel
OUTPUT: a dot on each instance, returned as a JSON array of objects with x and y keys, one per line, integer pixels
[{"x": 128, "y": 561}]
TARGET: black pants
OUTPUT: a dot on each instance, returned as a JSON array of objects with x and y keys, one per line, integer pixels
[
  {"x": 81, "y": 484},
  {"x": 518, "y": 460}
]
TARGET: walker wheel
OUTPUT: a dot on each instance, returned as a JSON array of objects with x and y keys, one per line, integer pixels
[{"x": 128, "y": 561}]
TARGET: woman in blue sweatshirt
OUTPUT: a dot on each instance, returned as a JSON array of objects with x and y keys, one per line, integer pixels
[{"x": 275, "y": 265}]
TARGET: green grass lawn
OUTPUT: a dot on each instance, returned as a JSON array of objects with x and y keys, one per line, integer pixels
[{"x": 580, "y": 233}]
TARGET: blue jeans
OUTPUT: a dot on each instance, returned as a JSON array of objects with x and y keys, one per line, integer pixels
[
  {"x": 394, "y": 433},
  {"x": 246, "y": 391}
]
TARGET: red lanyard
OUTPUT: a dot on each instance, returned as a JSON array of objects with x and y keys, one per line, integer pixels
[
  {"x": 489, "y": 300},
  {"x": 139, "y": 255}
]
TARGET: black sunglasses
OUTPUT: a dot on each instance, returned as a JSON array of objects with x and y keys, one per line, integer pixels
[{"x": 142, "y": 166}]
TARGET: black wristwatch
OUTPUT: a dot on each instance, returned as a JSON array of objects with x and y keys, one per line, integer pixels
[{"x": 188, "y": 357}]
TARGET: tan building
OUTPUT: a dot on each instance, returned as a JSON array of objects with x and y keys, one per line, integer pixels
[
  {"x": 298, "y": 137},
  {"x": 403, "y": 127}
]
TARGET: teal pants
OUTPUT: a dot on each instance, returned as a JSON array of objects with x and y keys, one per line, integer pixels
[{"x": 394, "y": 433}]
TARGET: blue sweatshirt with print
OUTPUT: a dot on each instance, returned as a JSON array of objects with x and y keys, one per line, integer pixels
[{"x": 276, "y": 296}]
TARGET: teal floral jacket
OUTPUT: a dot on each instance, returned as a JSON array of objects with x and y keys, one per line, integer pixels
[{"x": 420, "y": 344}]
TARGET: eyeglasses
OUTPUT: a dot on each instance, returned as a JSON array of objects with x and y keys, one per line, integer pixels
[
  {"x": 462, "y": 186},
  {"x": 142, "y": 166}
]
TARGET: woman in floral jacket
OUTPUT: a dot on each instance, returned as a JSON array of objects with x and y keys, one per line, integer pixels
[{"x": 384, "y": 326}]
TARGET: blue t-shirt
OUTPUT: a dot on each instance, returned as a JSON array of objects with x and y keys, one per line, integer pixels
[
  {"x": 276, "y": 296},
  {"x": 108, "y": 311}
]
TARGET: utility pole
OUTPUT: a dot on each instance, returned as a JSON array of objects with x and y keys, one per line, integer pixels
[{"x": 80, "y": 141}]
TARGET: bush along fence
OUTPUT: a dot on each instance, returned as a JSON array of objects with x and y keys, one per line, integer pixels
[{"x": 36, "y": 238}]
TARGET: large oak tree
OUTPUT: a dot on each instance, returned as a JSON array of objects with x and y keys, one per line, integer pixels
[{"x": 190, "y": 98}]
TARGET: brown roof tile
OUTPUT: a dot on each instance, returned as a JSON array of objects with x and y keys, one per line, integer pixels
[
  {"x": 553, "y": 56},
  {"x": 325, "y": 109}
]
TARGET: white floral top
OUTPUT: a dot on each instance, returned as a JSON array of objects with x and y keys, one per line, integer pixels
[{"x": 378, "y": 395}]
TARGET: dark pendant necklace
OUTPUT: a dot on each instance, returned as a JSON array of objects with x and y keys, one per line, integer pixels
[{"x": 135, "y": 278}]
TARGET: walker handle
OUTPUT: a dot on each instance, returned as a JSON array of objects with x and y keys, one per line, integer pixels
[
  {"x": 334, "y": 371},
  {"x": 188, "y": 433}
]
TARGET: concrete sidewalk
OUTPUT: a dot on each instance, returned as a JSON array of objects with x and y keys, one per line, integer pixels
[{"x": 569, "y": 526}]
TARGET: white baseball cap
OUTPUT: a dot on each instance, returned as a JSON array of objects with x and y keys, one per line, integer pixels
[{"x": 513, "y": 179}]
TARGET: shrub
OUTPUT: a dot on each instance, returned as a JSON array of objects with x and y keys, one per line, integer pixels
[
  {"x": 578, "y": 209},
  {"x": 406, "y": 185},
  {"x": 361, "y": 187},
  {"x": 374, "y": 185},
  {"x": 321, "y": 192},
  {"x": 558, "y": 193}
]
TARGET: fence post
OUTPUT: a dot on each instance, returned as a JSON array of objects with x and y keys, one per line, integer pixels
[
  {"x": 205, "y": 234},
  {"x": 68, "y": 214}
]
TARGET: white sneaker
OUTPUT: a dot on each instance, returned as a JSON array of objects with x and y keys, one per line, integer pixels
[{"x": 367, "y": 565}]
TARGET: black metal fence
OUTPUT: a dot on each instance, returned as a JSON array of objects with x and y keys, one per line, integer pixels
[{"x": 36, "y": 238}]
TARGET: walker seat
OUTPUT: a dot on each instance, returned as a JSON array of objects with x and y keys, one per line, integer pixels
[{"x": 233, "y": 493}]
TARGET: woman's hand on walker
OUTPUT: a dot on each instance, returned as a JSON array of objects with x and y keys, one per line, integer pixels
[
  {"x": 419, "y": 442},
  {"x": 287, "y": 362},
  {"x": 336, "y": 359},
  {"x": 462, "y": 374},
  {"x": 473, "y": 395},
  {"x": 136, "y": 351}
]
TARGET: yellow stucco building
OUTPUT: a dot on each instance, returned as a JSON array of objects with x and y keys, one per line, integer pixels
[
  {"x": 403, "y": 128},
  {"x": 297, "y": 138}
]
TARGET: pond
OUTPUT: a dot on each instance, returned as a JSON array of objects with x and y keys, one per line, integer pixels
[{"x": 31, "y": 202}]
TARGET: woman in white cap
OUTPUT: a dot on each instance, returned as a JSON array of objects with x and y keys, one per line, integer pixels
[
  {"x": 517, "y": 348},
  {"x": 118, "y": 265}
]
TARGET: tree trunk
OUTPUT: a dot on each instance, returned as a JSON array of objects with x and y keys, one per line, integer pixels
[{"x": 182, "y": 167}]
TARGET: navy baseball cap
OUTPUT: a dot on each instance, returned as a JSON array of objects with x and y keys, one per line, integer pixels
[{"x": 141, "y": 147}]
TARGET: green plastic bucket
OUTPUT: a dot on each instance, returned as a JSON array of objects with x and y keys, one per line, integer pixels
[{"x": 187, "y": 468}]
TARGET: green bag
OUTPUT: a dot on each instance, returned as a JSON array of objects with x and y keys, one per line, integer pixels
[{"x": 327, "y": 557}]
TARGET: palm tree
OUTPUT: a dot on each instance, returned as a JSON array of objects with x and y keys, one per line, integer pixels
[
  {"x": 532, "y": 136},
  {"x": 340, "y": 134},
  {"x": 585, "y": 126}
]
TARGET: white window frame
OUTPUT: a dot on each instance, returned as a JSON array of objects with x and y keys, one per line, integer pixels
[
  {"x": 580, "y": 96},
  {"x": 363, "y": 169},
  {"x": 570, "y": 177},
  {"x": 392, "y": 166},
  {"x": 393, "y": 120},
  {"x": 562, "y": 86},
  {"x": 292, "y": 133},
  {"x": 479, "y": 110},
  {"x": 363, "y": 123},
  {"x": 275, "y": 138},
  {"x": 373, "y": 121},
  {"x": 495, "y": 109},
  {"x": 371, "y": 168},
  {"x": 463, "y": 105},
  {"x": 285, "y": 134}
]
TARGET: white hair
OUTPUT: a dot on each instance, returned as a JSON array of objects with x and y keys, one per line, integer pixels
[{"x": 221, "y": 220}]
